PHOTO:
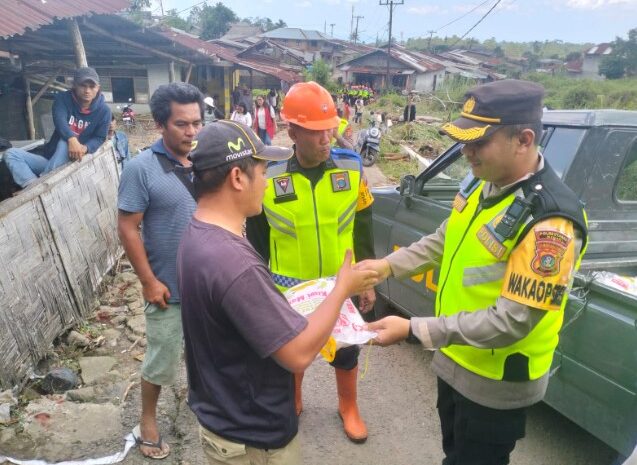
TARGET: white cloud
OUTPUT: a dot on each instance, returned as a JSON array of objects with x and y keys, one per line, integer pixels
[
  {"x": 595, "y": 4},
  {"x": 424, "y": 10}
]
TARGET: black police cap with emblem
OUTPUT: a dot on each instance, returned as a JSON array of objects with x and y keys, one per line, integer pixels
[{"x": 490, "y": 106}]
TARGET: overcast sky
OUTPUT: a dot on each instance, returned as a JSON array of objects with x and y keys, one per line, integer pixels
[{"x": 513, "y": 20}]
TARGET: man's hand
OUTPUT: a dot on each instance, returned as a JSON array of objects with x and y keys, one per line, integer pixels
[
  {"x": 156, "y": 293},
  {"x": 390, "y": 330},
  {"x": 354, "y": 281},
  {"x": 366, "y": 300},
  {"x": 381, "y": 266},
  {"x": 76, "y": 150}
]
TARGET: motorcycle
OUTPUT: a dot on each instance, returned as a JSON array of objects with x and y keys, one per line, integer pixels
[
  {"x": 368, "y": 145},
  {"x": 128, "y": 114}
]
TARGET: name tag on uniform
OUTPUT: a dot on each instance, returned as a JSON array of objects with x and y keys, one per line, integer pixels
[
  {"x": 284, "y": 189},
  {"x": 340, "y": 181}
]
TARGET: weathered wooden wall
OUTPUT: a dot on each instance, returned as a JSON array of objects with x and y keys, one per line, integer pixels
[{"x": 57, "y": 239}]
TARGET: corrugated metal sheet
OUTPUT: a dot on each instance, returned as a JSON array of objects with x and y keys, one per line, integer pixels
[
  {"x": 294, "y": 33},
  {"x": 19, "y": 15},
  {"x": 215, "y": 50}
]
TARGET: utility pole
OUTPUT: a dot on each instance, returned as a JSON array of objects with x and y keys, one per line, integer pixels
[
  {"x": 358, "y": 18},
  {"x": 351, "y": 24},
  {"x": 325, "y": 26},
  {"x": 431, "y": 34},
  {"x": 161, "y": 5},
  {"x": 332, "y": 29},
  {"x": 390, "y": 4}
]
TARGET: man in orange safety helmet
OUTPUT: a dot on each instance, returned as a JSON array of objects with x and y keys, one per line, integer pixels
[{"x": 316, "y": 206}]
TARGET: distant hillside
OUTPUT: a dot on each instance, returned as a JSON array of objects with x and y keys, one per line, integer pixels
[{"x": 547, "y": 49}]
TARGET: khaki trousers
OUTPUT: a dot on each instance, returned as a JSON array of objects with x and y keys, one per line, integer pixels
[{"x": 220, "y": 451}]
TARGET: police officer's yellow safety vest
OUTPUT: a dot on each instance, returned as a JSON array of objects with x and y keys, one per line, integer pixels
[
  {"x": 471, "y": 278},
  {"x": 311, "y": 228}
]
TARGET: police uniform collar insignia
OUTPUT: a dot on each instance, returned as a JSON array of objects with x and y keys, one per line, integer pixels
[{"x": 340, "y": 181}]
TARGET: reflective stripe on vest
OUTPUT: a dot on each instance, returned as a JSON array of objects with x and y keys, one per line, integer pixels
[
  {"x": 299, "y": 248},
  {"x": 471, "y": 279}
]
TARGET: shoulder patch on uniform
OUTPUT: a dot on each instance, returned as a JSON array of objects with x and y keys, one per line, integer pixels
[
  {"x": 550, "y": 247},
  {"x": 340, "y": 181},
  {"x": 283, "y": 186}
]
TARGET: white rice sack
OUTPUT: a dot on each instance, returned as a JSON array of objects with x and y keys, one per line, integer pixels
[{"x": 307, "y": 296}]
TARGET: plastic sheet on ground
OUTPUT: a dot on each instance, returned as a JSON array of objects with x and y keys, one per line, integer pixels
[
  {"x": 349, "y": 329},
  {"x": 115, "y": 458},
  {"x": 626, "y": 284}
]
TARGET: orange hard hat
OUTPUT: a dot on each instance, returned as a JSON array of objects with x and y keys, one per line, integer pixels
[{"x": 310, "y": 106}]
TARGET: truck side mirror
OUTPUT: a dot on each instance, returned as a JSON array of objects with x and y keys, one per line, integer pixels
[{"x": 408, "y": 185}]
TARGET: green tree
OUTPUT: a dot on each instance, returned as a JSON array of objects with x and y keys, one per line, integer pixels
[
  {"x": 266, "y": 24},
  {"x": 212, "y": 21},
  {"x": 172, "y": 19},
  {"x": 627, "y": 51},
  {"x": 138, "y": 5},
  {"x": 613, "y": 67},
  {"x": 320, "y": 72},
  {"x": 574, "y": 56}
]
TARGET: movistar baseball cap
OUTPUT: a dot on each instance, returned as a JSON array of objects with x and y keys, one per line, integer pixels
[
  {"x": 224, "y": 141},
  {"x": 82, "y": 75},
  {"x": 490, "y": 106}
]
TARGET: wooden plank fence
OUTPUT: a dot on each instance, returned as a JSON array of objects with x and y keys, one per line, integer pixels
[{"x": 57, "y": 240}]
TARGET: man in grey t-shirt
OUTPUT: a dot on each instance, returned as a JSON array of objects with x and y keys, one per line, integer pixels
[
  {"x": 156, "y": 192},
  {"x": 242, "y": 338}
]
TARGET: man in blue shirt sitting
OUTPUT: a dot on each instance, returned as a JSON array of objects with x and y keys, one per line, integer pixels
[{"x": 81, "y": 118}]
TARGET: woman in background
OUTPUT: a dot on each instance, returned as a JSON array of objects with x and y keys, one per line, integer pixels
[
  {"x": 241, "y": 115},
  {"x": 264, "y": 123}
]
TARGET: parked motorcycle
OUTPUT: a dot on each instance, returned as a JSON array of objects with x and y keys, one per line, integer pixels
[
  {"x": 368, "y": 145},
  {"x": 128, "y": 114}
]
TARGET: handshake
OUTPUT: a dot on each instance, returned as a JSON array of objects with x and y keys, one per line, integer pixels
[{"x": 359, "y": 279}]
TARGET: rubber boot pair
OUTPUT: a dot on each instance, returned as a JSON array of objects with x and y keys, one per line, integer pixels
[{"x": 346, "y": 382}]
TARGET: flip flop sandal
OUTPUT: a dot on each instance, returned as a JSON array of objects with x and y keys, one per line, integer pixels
[{"x": 137, "y": 435}]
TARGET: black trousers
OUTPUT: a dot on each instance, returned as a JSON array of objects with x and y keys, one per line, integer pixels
[
  {"x": 346, "y": 358},
  {"x": 476, "y": 435}
]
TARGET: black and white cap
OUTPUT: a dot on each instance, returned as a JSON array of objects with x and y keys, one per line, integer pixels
[{"x": 224, "y": 141}]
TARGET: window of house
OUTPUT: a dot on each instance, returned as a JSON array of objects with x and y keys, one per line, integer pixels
[
  {"x": 123, "y": 89},
  {"x": 313, "y": 43},
  {"x": 626, "y": 189}
]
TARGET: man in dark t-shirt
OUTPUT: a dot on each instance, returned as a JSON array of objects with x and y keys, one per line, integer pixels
[{"x": 242, "y": 338}]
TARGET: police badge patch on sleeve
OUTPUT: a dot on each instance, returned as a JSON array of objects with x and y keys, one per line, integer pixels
[
  {"x": 340, "y": 181},
  {"x": 550, "y": 247}
]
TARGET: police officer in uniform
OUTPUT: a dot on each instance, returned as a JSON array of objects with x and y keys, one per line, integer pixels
[
  {"x": 506, "y": 254},
  {"x": 316, "y": 206}
]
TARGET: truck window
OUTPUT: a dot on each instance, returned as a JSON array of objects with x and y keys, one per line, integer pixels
[
  {"x": 560, "y": 147},
  {"x": 626, "y": 189},
  {"x": 453, "y": 174}
]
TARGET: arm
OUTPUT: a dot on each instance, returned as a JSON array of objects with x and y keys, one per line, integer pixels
[
  {"x": 61, "y": 113},
  {"x": 511, "y": 318},
  {"x": 258, "y": 233},
  {"x": 297, "y": 354},
  {"x": 364, "y": 241},
  {"x": 99, "y": 132},
  {"x": 154, "y": 291},
  {"x": 249, "y": 116}
]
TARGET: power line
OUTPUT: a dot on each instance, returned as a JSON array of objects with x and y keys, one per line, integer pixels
[
  {"x": 466, "y": 14},
  {"x": 479, "y": 21}
]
